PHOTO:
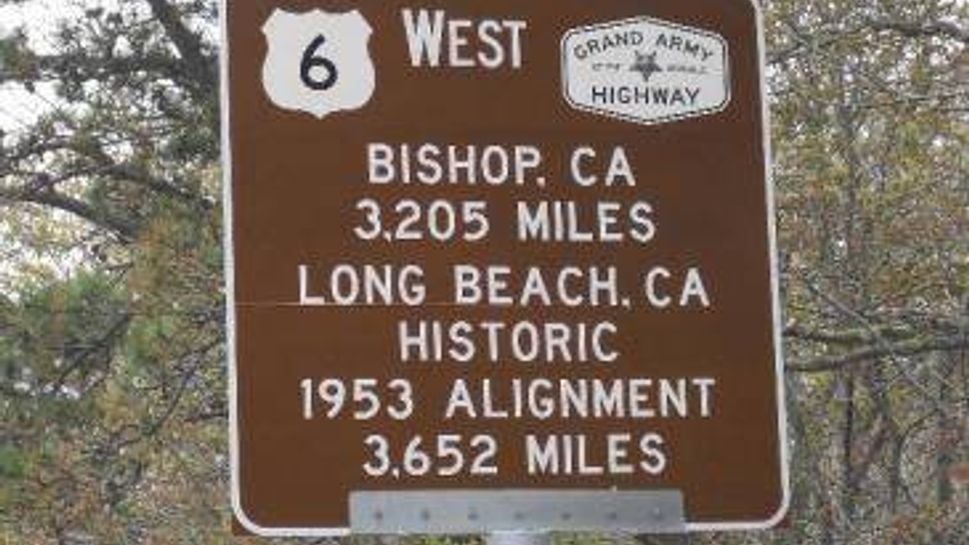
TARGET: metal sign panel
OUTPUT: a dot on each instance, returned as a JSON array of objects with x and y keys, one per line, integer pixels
[{"x": 500, "y": 250}]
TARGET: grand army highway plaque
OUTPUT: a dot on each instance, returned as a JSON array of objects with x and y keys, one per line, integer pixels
[{"x": 500, "y": 265}]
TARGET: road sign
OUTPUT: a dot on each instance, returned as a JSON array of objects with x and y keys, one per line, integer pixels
[{"x": 502, "y": 266}]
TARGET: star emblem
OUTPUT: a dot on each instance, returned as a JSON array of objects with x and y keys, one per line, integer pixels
[{"x": 646, "y": 65}]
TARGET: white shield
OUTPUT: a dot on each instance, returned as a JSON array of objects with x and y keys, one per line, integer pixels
[
  {"x": 645, "y": 70},
  {"x": 318, "y": 62}
]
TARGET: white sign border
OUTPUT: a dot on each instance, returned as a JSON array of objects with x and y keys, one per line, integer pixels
[{"x": 230, "y": 318}]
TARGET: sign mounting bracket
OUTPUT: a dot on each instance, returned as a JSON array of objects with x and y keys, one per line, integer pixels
[{"x": 512, "y": 510}]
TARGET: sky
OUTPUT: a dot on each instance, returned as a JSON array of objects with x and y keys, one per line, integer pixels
[{"x": 19, "y": 107}]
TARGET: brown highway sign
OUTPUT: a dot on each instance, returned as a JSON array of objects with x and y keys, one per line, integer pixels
[{"x": 500, "y": 266}]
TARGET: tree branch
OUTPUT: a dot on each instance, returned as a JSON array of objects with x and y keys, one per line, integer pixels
[
  {"x": 188, "y": 44},
  {"x": 848, "y": 337},
  {"x": 123, "y": 228},
  {"x": 820, "y": 40},
  {"x": 903, "y": 348},
  {"x": 943, "y": 29}
]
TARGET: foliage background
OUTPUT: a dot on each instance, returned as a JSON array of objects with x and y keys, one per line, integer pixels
[{"x": 112, "y": 375}]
